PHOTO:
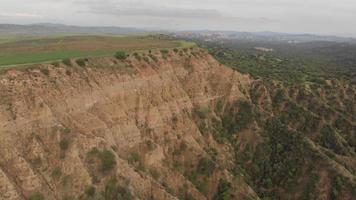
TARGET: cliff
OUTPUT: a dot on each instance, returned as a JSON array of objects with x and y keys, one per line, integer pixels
[{"x": 56, "y": 122}]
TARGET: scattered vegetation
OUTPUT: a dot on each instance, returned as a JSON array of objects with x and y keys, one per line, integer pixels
[
  {"x": 121, "y": 55},
  {"x": 37, "y": 196},
  {"x": 90, "y": 191},
  {"x": 164, "y": 51},
  {"x": 115, "y": 191},
  {"x": 64, "y": 144},
  {"x": 153, "y": 57},
  {"x": 107, "y": 159},
  {"x": 223, "y": 192},
  {"x": 67, "y": 62},
  {"x": 238, "y": 117},
  {"x": 135, "y": 160},
  {"x": 81, "y": 62},
  {"x": 67, "y": 130},
  {"x": 206, "y": 166},
  {"x": 57, "y": 172},
  {"x": 155, "y": 174},
  {"x": 55, "y": 64},
  {"x": 291, "y": 64}
]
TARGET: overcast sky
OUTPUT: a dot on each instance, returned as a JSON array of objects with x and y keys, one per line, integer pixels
[{"x": 333, "y": 17}]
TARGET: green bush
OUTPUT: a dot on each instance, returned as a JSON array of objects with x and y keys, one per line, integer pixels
[
  {"x": 201, "y": 112},
  {"x": 107, "y": 159},
  {"x": 134, "y": 157},
  {"x": 238, "y": 117},
  {"x": 219, "y": 106},
  {"x": 121, "y": 55},
  {"x": 164, "y": 51},
  {"x": 55, "y": 64},
  {"x": 153, "y": 57},
  {"x": 206, "y": 166},
  {"x": 56, "y": 172},
  {"x": 137, "y": 56},
  {"x": 64, "y": 144},
  {"x": 115, "y": 191},
  {"x": 223, "y": 191},
  {"x": 90, "y": 191},
  {"x": 67, "y": 62},
  {"x": 155, "y": 174},
  {"x": 36, "y": 196},
  {"x": 66, "y": 130},
  {"x": 150, "y": 145},
  {"x": 329, "y": 139},
  {"x": 80, "y": 62},
  {"x": 146, "y": 59},
  {"x": 94, "y": 151}
]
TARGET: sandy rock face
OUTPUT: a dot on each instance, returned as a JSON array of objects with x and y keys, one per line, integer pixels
[{"x": 138, "y": 110}]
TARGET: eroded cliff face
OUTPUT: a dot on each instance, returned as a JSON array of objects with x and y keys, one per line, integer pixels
[{"x": 60, "y": 126}]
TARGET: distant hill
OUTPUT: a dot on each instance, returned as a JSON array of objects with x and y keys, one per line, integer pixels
[
  {"x": 260, "y": 36},
  {"x": 47, "y": 29}
]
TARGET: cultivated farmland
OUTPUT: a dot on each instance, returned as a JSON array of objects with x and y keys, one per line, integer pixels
[{"x": 51, "y": 49}]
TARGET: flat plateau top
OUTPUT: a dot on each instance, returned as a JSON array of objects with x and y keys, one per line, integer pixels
[{"x": 37, "y": 50}]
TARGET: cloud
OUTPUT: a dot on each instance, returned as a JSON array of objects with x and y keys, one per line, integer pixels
[
  {"x": 122, "y": 8},
  {"x": 20, "y": 15}
]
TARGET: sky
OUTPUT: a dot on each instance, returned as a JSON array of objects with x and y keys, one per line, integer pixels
[{"x": 327, "y": 17}]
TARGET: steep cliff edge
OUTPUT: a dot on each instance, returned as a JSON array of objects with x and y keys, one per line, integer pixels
[
  {"x": 171, "y": 124},
  {"x": 67, "y": 131}
]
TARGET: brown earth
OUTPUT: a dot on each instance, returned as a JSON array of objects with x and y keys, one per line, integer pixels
[{"x": 138, "y": 106}]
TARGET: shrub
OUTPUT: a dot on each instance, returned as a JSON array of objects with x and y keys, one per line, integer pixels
[
  {"x": 56, "y": 64},
  {"x": 155, "y": 174},
  {"x": 45, "y": 71},
  {"x": 137, "y": 56},
  {"x": 80, "y": 62},
  {"x": 134, "y": 157},
  {"x": 164, "y": 51},
  {"x": 67, "y": 62},
  {"x": 239, "y": 117},
  {"x": 107, "y": 159},
  {"x": 330, "y": 140},
  {"x": 94, "y": 151},
  {"x": 66, "y": 130},
  {"x": 121, "y": 55},
  {"x": 206, "y": 166},
  {"x": 64, "y": 144},
  {"x": 201, "y": 112},
  {"x": 153, "y": 57},
  {"x": 90, "y": 191},
  {"x": 223, "y": 190},
  {"x": 56, "y": 172},
  {"x": 114, "y": 191},
  {"x": 219, "y": 106},
  {"x": 174, "y": 119},
  {"x": 36, "y": 196},
  {"x": 150, "y": 145}
]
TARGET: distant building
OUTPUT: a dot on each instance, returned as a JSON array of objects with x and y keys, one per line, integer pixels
[{"x": 263, "y": 49}]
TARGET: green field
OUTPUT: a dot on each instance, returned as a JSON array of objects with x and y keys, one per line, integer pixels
[{"x": 36, "y": 50}]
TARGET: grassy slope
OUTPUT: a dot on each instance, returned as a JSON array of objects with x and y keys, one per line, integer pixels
[{"x": 52, "y": 49}]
